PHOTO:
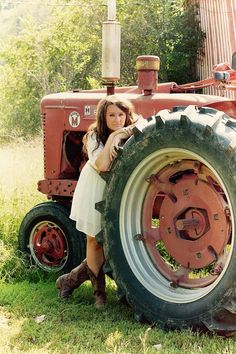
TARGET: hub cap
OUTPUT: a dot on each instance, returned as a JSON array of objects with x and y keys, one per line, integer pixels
[
  {"x": 48, "y": 246},
  {"x": 191, "y": 213}
]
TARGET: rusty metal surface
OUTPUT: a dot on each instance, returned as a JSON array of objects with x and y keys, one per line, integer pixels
[
  {"x": 57, "y": 187},
  {"x": 187, "y": 222}
]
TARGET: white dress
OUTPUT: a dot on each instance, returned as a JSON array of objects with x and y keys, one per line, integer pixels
[{"x": 89, "y": 190}]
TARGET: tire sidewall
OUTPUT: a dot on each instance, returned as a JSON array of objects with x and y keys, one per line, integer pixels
[{"x": 58, "y": 214}]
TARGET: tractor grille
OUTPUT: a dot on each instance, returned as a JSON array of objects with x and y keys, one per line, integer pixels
[{"x": 43, "y": 117}]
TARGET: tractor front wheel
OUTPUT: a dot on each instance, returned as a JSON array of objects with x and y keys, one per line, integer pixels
[{"x": 50, "y": 238}]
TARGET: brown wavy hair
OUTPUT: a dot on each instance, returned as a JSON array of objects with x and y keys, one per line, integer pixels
[{"x": 100, "y": 127}]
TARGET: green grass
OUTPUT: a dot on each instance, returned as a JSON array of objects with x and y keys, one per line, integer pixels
[
  {"x": 74, "y": 326},
  {"x": 21, "y": 168}
]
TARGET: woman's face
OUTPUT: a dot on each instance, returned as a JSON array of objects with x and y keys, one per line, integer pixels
[{"x": 115, "y": 118}]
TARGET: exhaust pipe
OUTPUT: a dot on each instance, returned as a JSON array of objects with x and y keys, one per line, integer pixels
[{"x": 111, "y": 34}]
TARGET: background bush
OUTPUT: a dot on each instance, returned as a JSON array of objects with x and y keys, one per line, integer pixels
[{"x": 64, "y": 52}]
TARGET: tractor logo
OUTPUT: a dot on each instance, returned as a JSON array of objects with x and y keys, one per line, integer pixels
[{"x": 74, "y": 119}]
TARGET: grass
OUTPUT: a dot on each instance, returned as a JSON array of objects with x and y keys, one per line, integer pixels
[
  {"x": 75, "y": 327},
  {"x": 34, "y": 320},
  {"x": 21, "y": 168}
]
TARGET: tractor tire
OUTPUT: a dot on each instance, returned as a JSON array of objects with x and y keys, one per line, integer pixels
[
  {"x": 169, "y": 220},
  {"x": 49, "y": 238}
]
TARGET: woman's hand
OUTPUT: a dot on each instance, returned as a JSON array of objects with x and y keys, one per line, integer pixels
[
  {"x": 123, "y": 133},
  {"x": 128, "y": 131},
  {"x": 110, "y": 151},
  {"x": 117, "y": 138},
  {"x": 113, "y": 153}
]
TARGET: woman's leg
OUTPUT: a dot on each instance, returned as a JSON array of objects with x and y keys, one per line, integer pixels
[
  {"x": 66, "y": 283},
  {"x": 95, "y": 260},
  {"x": 95, "y": 255}
]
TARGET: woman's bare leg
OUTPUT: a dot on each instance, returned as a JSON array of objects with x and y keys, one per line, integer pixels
[{"x": 95, "y": 255}]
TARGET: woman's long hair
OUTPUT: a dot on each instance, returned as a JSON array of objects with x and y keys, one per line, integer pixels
[{"x": 100, "y": 126}]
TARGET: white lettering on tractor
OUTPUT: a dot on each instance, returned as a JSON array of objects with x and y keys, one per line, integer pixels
[
  {"x": 87, "y": 110},
  {"x": 74, "y": 119}
]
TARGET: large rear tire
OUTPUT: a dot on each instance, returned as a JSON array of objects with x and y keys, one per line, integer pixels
[
  {"x": 169, "y": 220},
  {"x": 50, "y": 238}
]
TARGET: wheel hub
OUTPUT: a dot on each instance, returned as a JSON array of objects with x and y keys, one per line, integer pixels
[
  {"x": 189, "y": 223},
  {"x": 185, "y": 223},
  {"x": 49, "y": 245},
  {"x": 194, "y": 223}
]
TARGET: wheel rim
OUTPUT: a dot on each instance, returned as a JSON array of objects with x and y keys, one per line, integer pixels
[
  {"x": 168, "y": 226},
  {"x": 48, "y": 246}
]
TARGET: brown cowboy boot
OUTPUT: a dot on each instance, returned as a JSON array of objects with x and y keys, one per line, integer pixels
[
  {"x": 68, "y": 282},
  {"x": 99, "y": 285}
]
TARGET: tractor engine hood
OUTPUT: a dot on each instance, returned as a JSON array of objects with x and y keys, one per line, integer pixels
[{"x": 84, "y": 103}]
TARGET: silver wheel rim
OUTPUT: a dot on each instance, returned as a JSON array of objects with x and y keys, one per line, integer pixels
[{"x": 130, "y": 225}]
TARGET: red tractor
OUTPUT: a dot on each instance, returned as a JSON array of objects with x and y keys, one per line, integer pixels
[{"x": 168, "y": 211}]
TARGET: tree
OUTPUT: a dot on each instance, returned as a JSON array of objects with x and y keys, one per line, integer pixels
[
  {"x": 165, "y": 28},
  {"x": 61, "y": 56},
  {"x": 65, "y": 53}
]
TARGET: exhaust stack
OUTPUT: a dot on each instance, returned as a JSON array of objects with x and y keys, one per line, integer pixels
[{"x": 111, "y": 48}]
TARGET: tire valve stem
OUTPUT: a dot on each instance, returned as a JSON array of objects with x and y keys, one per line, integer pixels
[
  {"x": 174, "y": 284},
  {"x": 139, "y": 237}
]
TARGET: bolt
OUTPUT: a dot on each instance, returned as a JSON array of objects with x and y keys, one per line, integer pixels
[
  {"x": 187, "y": 224},
  {"x": 185, "y": 192}
]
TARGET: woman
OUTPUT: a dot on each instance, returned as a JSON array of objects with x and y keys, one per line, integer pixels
[{"x": 114, "y": 120}]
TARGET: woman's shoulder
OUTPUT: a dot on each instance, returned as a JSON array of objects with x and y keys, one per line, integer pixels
[
  {"x": 92, "y": 136},
  {"x": 93, "y": 141}
]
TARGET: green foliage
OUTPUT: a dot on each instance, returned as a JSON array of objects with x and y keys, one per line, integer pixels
[
  {"x": 65, "y": 53},
  {"x": 185, "y": 44},
  {"x": 168, "y": 29},
  {"x": 13, "y": 13},
  {"x": 43, "y": 60},
  {"x": 20, "y": 84}
]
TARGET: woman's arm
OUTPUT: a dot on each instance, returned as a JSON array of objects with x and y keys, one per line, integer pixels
[
  {"x": 109, "y": 151},
  {"x": 125, "y": 133}
]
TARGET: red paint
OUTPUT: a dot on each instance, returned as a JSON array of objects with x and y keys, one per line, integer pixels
[
  {"x": 49, "y": 245},
  {"x": 63, "y": 136},
  {"x": 188, "y": 223}
]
